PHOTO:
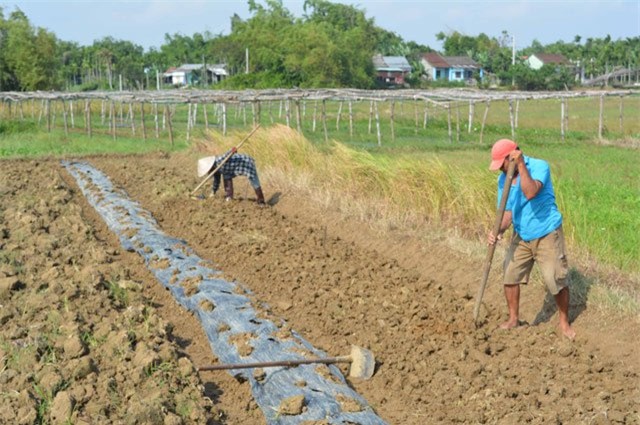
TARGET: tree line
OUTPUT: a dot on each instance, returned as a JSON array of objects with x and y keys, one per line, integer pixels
[{"x": 330, "y": 45}]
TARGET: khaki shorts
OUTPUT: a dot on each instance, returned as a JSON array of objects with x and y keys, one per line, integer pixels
[{"x": 548, "y": 251}]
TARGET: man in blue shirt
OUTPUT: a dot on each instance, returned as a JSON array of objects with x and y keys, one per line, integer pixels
[{"x": 537, "y": 237}]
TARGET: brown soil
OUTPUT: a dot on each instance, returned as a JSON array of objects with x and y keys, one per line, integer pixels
[{"x": 88, "y": 334}]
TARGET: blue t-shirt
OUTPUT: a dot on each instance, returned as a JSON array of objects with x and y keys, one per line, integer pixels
[{"x": 538, "y": 216}]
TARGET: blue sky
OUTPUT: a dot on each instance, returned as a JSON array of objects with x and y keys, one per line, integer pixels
[{"x": 144, "y": 22}]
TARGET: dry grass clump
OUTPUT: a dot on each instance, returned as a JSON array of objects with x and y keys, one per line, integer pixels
[{"x": 391, "y": 192}]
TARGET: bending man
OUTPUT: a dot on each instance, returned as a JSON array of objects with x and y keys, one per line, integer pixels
[
  {"x": 537, "y": 237},
  {"x": 237, "y": 165}
]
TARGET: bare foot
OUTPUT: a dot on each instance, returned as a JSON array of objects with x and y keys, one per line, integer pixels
[
  {"x": 567, "y": 331},
  {"x": 510, "y": 324}
]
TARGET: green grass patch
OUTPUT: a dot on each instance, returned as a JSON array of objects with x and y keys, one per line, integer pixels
[{"x": 26, "y": 139}]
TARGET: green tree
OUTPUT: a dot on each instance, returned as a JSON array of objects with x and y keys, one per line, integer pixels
[
  {"x": 8, "y": 79},
  {"x": 30, "y": 54}
]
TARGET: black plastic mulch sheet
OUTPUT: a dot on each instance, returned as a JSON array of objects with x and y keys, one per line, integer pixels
[{"x": 225, "y": 311}]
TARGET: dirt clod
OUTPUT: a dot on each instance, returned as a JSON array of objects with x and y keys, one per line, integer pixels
[{"x": 293, "y": 405}]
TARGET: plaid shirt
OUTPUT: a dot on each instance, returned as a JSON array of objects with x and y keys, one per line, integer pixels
[{"x": 238, "y": 165}]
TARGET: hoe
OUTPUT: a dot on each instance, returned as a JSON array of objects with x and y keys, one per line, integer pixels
[{"x": 362, "y": 363}]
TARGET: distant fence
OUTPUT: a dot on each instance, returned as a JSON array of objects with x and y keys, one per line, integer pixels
[{"x": 119, "y": 109}]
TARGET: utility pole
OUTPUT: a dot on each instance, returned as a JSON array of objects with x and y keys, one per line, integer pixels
[
  {"x": 246, "y": 61},
  {"x": 513, "y": 59},
  {"x": 204, "y": 71}
]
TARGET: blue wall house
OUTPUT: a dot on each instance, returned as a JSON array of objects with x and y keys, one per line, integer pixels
[
  {"x": 391, "y": 71},
  {"x": 450, "y": 68}
]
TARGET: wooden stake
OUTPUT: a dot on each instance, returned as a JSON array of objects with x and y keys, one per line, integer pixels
[
  {"x": 155, "y": 120},
  {"x": 258, "y": 113},
  {"x": 484, "y": 119},
  {"x": 621, "y": 115},
  {"x": 298, "y": 116},
  {"x": 112, "y": 116},
  {"x": 324, "y": 120},
  {"x": 391, "y": 116},
  {"x": 73, "y": 124},
  {"x": 224, "y": 119},
  {"x": 370, "y": 116},
  {"x": 566, "y": 115},
  {"x": 339, "y": 116},
  {"x": 601, "y": 117},
  {"x": 40, "y": 111},
  {"x": 287, "y": 113},
  {"x": 142, "y": 123},
  {"x": 168, "y": 119},
  {"x": 426, "y": 115},
  {"x": 415, "y": 113},
  {"x": 512, "y": 120},
  {"x": 64, "y": 117},
  {"x": 253, "y": 113},
  {"x": 562, "y": 119},
  {"x": 350, "y": 119},
  {"x": 472, "y": 109},
  {"x": 378, "y": 124},
  {"x": 189, "y": 115},
  {"x": 244, "y": 114},
  {"x": 315, "y": 113},
  {"x": 48, "y": 113},
  {"x": 270, "y": 112},
  {"x": 87, "y": 108},
  {"x": 133, "y": 121},
  {"x": 448, "y": 106}
]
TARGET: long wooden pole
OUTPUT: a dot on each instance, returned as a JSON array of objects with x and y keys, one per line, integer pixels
[{"x": 496, "y": 229}]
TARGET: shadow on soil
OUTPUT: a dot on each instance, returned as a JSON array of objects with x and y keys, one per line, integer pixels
[{"x": 579, "y": 287}]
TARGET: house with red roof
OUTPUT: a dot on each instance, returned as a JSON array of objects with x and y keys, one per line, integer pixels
[{"x": 450, "y": 68}]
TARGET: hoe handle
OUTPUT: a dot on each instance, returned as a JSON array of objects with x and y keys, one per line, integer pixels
[
  {"x": 233, "y": 150},
  {"x": 288, "y": 363},
  {"x": 496, "y": 229}
]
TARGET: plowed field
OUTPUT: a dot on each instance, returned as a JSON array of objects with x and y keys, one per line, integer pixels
[{"x": 87, "y": 333}]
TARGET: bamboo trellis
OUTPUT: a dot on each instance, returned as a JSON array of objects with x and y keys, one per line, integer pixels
[{"x": 113, "y": 105}]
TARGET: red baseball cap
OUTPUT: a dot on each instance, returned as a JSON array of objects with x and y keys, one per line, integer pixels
[{"x": 500, "y": 150}]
